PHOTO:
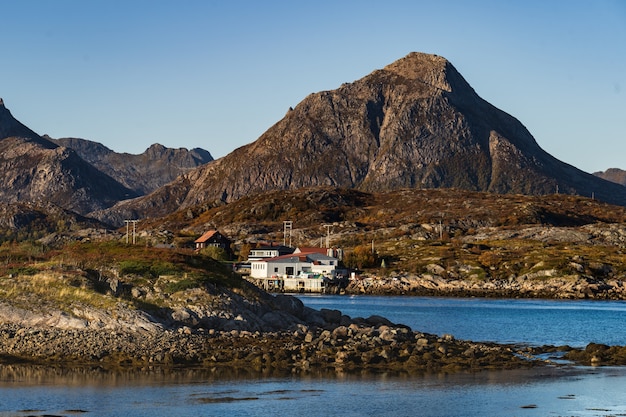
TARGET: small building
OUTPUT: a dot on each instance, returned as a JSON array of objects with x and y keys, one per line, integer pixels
[
  {"x": 215, "y": 239},
  {"x": 296, "y": 272}
]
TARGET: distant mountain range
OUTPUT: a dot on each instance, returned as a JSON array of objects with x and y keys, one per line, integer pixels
[
  {"x": 80, "y": 175},
  {"x": 141, "y": 173},
  {"x": 615, "y": 175},
  {"x": 414, "y": 124}
]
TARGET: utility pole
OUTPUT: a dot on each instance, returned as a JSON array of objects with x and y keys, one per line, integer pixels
[
  {"x": 440, "y": 229},
  {"x": 327, "y": 226},
  {"x": 287, "y": 226},
  {"x": 134, "y": 222}
]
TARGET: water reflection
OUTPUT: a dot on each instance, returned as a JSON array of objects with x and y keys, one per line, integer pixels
[
  {"x": 35, "y": 390},
  {"x": 12, "y": 376}
]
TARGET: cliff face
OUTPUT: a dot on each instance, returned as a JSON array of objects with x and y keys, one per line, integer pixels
[
  {"x": 142, "y": 173},
  {"x": 416, "y": 123}
]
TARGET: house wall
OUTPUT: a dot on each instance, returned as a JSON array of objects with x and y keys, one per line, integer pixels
[
  {"x": 262, "y": 269},
  {"x": 258, "y": 270},
  {"x": 257, "y": 253}
]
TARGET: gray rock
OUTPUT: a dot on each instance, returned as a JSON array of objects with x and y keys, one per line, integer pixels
[{"x": 331, "y": 316}]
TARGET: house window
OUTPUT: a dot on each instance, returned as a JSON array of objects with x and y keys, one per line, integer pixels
[{"x": 275, "y": 269}]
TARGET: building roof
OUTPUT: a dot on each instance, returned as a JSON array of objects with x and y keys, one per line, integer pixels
[
  {"x": 280, "y": 248},
  {"x": 299, "y": 257},
  {"x": 303, "y": 249},
  {"x": 315, "y": 256},
  {"x": 205, "y": 237}
]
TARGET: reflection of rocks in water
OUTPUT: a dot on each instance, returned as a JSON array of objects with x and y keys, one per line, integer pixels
[{"x": 81, "y": 376}]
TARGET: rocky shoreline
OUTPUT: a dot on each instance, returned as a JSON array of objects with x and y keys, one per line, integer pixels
[
  {"x": 544, "y": 284},
  {"x": 371, "y": 345},
  {"x": 341, "y": 345},
  {"x": 254, "y": 331}
]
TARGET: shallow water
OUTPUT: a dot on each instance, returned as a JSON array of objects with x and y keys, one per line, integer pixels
[
  {"x": 566, "y": 391},
  {"x": 574, "y": 392}
]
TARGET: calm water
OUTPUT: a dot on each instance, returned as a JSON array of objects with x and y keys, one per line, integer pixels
[
  {"x": 534, "y": 322},
  {"x": 547, "y": 392}
]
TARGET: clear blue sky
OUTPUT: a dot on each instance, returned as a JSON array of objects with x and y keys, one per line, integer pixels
[{"x": 217, "y": 74}]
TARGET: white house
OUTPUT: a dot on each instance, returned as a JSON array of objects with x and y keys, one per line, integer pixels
[
  {"x": 293, "y": 264},
  {"x": 299, "y": 271}
]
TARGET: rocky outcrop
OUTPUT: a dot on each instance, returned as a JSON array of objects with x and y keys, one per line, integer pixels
[
  {"x": 541, "y": 284},
  {"x": 219, "y": 327},
  {"x": 355, "y": 345}
]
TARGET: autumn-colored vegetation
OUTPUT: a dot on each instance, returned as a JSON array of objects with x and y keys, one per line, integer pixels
[
  {"x": 83, "y": 272},
  {"x": 468, "y": 233}
]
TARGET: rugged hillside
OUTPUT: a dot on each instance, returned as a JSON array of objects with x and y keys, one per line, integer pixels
[
  {"x": 141, "y": 173},
  {"x": 416, "y": 123},
  {"x": 27, "y": 221},
  {"x": 36, "y": 170},
  {"x": 359, "y": 216},
  {"x": 615, "y": 175}
]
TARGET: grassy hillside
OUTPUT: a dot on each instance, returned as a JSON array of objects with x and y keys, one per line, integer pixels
[{"x": 102, "y": 274}]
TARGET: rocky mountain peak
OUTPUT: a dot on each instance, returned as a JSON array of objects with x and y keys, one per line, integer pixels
[
  {"x": 429, "y": 69},
  {"x": 156, "y": 150},
  {"x": 35, "y": 169},
  {"x": 416, "y": 123}
]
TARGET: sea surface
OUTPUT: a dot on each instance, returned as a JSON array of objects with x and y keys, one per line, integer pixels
[
  {"x": 524, "y": 321},
  {"x": 558, "y": 391}
]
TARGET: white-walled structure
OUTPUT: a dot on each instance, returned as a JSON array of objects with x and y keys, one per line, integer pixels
[
  {"x": 297, "y": 272},
  {"x": 293, "y": 265}
]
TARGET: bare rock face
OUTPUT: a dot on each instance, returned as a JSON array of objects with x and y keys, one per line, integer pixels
[
  {"x": 80, "y": 175},
  {"x": 416, "y": 123}
]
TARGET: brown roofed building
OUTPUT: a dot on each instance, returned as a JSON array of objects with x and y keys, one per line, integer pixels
[{"x": 214, "y": 238}]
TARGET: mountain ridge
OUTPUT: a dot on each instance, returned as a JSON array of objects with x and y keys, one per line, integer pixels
[
  {"x": 81, "y": 175},
  {"x": 615, "y": 175},
  {"x": 415, "y": 123},
  {"x": 142, "y": 173}
]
